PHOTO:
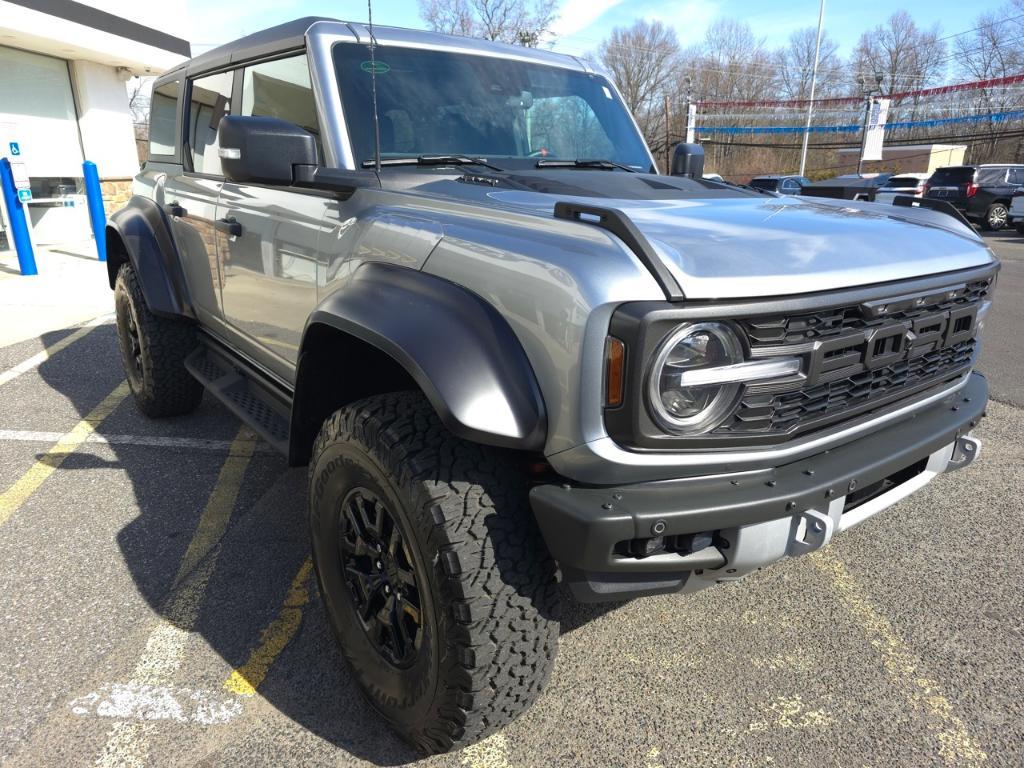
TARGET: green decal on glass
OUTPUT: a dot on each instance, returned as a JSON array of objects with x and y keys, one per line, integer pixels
[{"x": 376, "y": 67}]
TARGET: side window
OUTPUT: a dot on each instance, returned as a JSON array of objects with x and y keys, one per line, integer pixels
[
  {"x": 790, "y": 186},
  {"x": 282, "y": 89},
  {"x": 1016, "y": 176},
  {"x": 210, "y": 101},
  {"x": 988, "y": 177},
  {"x": 163, "y": 119}
]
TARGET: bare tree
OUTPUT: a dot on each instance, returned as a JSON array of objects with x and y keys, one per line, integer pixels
[
  {"x": 906, "y": 56},
  {"x": 642, "y": 60},
  {"x": 507, "y": 21},
  {"x": 795, "y": 64}
]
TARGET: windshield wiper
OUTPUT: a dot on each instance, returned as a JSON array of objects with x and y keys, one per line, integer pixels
[
  {"x": 433, "y": 160},
  {"x": 580, "y": 163}
]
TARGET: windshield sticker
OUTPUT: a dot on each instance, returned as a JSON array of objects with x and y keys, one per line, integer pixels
[
  {"x": 375, "y": 67},
  {"x": 607, "y": 92}
]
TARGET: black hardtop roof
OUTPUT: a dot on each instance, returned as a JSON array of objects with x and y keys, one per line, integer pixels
[{"x": 266, "y": 42}]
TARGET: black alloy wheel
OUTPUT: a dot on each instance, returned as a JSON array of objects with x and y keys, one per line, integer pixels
[{"x": 381, "y": 577}]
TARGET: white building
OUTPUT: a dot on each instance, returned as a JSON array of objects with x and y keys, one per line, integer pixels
[{"x": 63, "y": 100}]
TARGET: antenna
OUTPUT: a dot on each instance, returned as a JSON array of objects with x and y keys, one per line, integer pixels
[{"x": 373, "y": 86}]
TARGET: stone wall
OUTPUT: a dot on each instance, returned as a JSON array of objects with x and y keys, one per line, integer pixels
[{"x": 116, "y": 193}]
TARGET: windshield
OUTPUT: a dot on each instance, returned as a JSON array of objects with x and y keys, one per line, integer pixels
[
  {"x": 443, "y": 103},
  {"x": 903, "y": 181}
]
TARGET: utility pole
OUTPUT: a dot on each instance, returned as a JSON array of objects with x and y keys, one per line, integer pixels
[
  {"x": 814, "y": 82},
  {"x": 668, "y": 139}
]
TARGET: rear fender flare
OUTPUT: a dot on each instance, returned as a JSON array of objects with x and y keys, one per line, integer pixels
[
  {"x": 458, "y": 349},
  {"x": 140, "y": 233}
]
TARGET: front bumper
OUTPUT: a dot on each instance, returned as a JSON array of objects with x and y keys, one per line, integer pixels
[{"x": 721, "y": 527}]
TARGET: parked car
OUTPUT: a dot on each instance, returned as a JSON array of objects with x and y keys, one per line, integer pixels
[
  {"x": 518, "y": 362},
  {"x": 1016, "y": 214},
  {"x": 849, "y": 186},
  {"x": 910, "y": 184},
  {"x": 982, "y": 193},
  {"x": 785, "y": 185}
]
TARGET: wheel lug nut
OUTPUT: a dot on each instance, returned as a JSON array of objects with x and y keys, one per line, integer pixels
[
  {"x": 387, "y": 589},
  {"x": 379, "y": 566}
]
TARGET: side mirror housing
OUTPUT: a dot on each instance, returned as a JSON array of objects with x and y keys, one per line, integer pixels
[
  {"x": 688, "y": 160},
  {"x": 263, "y": 150}
]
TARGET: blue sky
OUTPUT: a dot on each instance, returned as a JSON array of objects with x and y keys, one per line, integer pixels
[{"x": 582, "y": 23}]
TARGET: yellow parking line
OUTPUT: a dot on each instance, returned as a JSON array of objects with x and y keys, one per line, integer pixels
[
  {"x": 956, "y": 745},
  {"x": 273, "y": 639},
  {"x": 41, "y": 357},
  {"x": 26, "y": 485},
  {"x": 165, "y": 647}
]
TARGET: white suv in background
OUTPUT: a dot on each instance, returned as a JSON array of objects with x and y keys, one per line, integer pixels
[{"x": 911, "y": 184}]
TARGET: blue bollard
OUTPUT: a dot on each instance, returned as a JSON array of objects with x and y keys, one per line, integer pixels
[
  {"x": 97, "y": 217},
  {"x": 16, "y": 217}
]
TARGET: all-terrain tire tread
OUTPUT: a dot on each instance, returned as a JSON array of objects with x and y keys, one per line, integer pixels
[
  {"x": 499, "y": 589},
  {"x": 168, "y": 388}
]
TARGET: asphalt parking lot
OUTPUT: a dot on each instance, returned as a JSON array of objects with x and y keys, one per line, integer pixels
[{"x": 158, "y": 608}]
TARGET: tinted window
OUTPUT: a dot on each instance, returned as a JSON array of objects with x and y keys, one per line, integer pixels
[
  {"x": 443, "y": 102},
  {"x": 1016, "y": 176},
  {"x": 210, "y": 101},
  {"x": 951, "y": 177},
  {"x": 991, "y": 175},
  {"x": 767, "y": 184},
  {"x": 790, "y": 185},
  {"x": 163, "y": 119},
  {"x": 281, "y": 89}
]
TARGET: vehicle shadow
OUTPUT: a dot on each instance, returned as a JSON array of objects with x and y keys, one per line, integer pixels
[{"x": 255, "y": 562}]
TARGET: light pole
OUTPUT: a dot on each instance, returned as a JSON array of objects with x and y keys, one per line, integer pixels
[
  {"x": 868, "y": 91},
  {"x": 814, "y": 81}
]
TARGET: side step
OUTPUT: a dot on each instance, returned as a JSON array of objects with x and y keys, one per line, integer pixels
[{"x": 243, "y": 394}]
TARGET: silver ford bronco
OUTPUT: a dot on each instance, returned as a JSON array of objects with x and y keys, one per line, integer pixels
[{"x": 520, "y": 363}]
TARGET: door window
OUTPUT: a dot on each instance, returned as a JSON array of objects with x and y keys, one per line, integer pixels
[
  {"x": 210, "y": 101},
  {"x": 1016, "y": 176},
  {"x": 281, "y": 89},
  {"x": 163, "y": 118}
]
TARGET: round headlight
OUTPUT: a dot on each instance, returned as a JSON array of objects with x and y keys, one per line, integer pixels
[{"x": 679, "y": 407}]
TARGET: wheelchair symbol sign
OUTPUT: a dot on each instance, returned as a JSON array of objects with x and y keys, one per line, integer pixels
[{"x": 15, "y": 148}]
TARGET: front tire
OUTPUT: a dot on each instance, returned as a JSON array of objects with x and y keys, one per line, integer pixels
[
  {"x": 434, "y": 575},
  {"x": 153, "y": 352},
  {"x": 995, "y": 218}
]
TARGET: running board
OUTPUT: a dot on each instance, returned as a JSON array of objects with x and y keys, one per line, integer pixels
[{"x": 243, "y": 394}]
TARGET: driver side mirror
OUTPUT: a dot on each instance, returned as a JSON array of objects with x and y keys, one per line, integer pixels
[{"x": 263, "y": 150}]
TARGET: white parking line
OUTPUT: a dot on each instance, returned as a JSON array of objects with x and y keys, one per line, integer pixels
[
  {"x": 139, "y": 701},
  {"x": 148, "y": 441},
  {"x": 41, "y": 357}
]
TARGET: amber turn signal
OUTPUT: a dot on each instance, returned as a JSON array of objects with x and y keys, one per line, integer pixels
[{"x": 614, "y": 371}]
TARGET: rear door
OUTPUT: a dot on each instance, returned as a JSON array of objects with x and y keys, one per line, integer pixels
[
  {"x": 191, "y": 197},
  {"x": 269, "y": 235}
]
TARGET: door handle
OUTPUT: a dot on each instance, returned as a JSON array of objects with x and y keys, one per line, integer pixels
[
  {"x": 174, "y": 209},
  {"x": 229, "y": 227}
]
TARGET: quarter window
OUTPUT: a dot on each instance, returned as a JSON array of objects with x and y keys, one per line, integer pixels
[
  {"x": 210, "y": 101},
  {"x": 163, "y": 119}
]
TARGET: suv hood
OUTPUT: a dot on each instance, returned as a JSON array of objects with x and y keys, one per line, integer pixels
[{"x": 754, "y": 245}]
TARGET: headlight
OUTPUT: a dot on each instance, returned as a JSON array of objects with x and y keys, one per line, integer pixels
[
  {"x": 679, "y": 405},
  {"x": 698, "y": 374}
]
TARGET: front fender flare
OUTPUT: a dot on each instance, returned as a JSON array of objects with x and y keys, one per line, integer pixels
[
  {"x": 456, "y": 347},
  {"x": 143, "y": 230}
]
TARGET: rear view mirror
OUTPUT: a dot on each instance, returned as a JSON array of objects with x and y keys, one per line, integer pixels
[{"x": 263, "y": 150}]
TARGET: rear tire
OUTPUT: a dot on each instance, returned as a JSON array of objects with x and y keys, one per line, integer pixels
[
  {"x": 153, "y": 352},
  {"x": 468, "y": 639},
  {"x": 995, "y": 218}
]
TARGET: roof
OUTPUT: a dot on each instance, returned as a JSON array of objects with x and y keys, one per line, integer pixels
[{"x": 292, "y": 35}]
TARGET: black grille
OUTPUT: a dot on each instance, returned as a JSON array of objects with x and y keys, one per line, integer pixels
[
  {"x": 848, "y": 371},
  {"x": 766, "y": 332}
]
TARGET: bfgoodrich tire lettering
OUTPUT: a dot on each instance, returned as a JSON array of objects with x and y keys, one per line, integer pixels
[
  {"x": 153, "y": 352},
  {"x": 486, "y": 583}
]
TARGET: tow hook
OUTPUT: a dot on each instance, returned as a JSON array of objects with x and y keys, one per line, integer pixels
[{"x": 965, "y": 450}]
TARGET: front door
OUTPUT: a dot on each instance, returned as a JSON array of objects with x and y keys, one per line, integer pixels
[{"x": 268, "y": 235}]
